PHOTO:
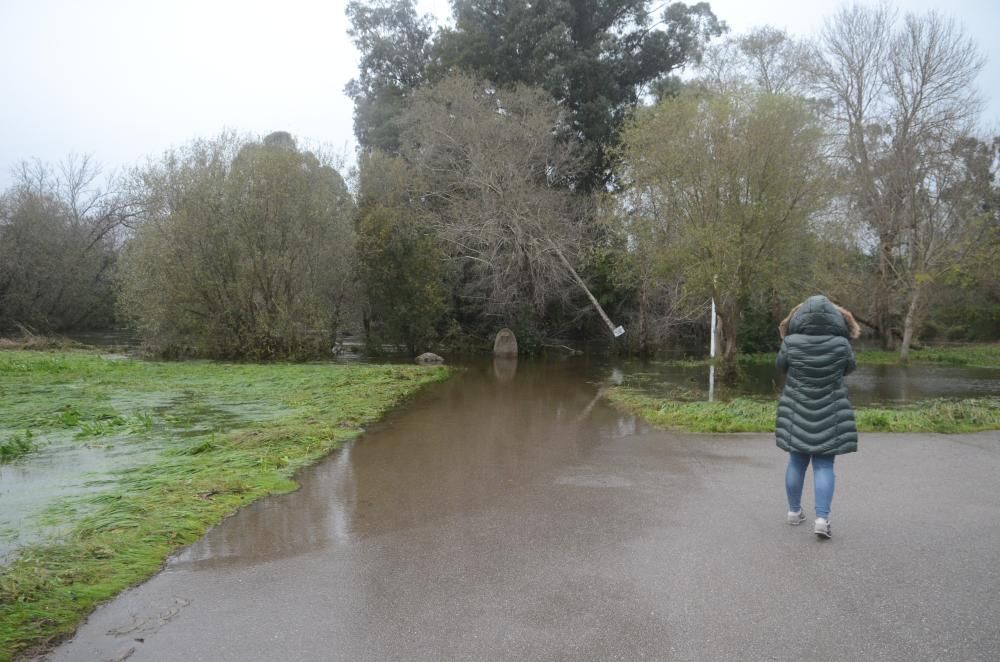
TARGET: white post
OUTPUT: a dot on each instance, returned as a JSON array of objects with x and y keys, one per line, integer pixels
[{"x": 711, "y": 352}]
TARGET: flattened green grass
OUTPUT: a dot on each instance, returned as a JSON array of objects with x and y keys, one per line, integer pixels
[
  {"x": 737, "y": 415},
  {"x": 124, "y": 535},
  {"x": 746, "y": 415},
  {"x": 16, "y": 445}
]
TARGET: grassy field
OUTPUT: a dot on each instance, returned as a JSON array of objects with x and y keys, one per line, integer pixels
[
  {"x": 219, "y": 436},
  {"x": 748, "y": 415}
]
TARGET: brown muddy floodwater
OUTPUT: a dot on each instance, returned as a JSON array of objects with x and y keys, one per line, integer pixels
[
  {"x": 452, "y": 453},
  {"x": 512, "y": 514}
]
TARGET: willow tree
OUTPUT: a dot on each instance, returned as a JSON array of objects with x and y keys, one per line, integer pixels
[
  {"x": 244, "y": 251},
  {"x": 734, "y": 180}
]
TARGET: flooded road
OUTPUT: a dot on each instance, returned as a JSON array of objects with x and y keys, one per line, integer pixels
[{"x": 510, "y": 513}]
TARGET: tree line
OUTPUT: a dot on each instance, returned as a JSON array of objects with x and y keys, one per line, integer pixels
[{"x": 542, "y": 166}]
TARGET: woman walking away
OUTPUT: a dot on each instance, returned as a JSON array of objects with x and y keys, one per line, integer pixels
[{"x": 815, "y": 420}]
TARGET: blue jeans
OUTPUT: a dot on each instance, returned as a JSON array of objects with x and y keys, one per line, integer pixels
[{"x": 823, "y": 480}]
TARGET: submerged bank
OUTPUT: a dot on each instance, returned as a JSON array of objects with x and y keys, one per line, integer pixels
[
  {"x": 178, "y": 447},
  {"x": 972, "y": 356},
  {"x": 970, "y": 373}
]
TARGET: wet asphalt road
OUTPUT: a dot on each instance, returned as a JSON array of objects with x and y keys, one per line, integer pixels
[{"x": 511, "y": 515}]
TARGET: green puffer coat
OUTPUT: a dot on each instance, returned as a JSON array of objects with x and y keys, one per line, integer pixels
[{"x": 814, "y": 415}]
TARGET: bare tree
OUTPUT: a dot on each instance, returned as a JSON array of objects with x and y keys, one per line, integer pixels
[
  {"x": 853, "y": 48},
  {"x": 60, "y": 228},
  {"x": 495, "y": 182},
  {"x": 901, "y": 96},
  {"x": 765, "y": 59},
  {"x": 931, "y": 74}
]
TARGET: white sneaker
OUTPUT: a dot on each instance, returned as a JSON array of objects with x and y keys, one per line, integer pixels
[
  {"x": 823, "y": 528},
  {"x": 796, "y": 518}
]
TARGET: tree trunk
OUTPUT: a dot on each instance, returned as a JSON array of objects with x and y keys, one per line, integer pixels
[
  {"x": 729, "y": 324},
  {"x": 909, "y": 325},
  {"x": 883, "y": 294},
  {"x": 643, "y": 333}
]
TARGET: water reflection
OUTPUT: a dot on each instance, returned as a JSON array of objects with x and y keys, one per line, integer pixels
[
  {"x": 504, "y": 368},
  {"x": 900, "y": 384},
  {"x": 453, "y": 453}
]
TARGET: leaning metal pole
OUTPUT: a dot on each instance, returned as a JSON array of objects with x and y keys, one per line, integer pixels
[{"x": 615, "y": 330}]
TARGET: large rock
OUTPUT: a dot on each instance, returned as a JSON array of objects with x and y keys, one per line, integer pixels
[
  {"x": 429, "y": 358},
  {"x": 505, "y": 344}
]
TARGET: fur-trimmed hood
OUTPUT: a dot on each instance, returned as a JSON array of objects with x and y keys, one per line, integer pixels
[{"x": 818, "y": 316}]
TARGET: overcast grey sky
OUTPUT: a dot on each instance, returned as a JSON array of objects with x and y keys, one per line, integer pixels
[{"x": 126, "y": 79}]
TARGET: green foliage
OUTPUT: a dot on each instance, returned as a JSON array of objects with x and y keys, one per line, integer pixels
[
  {"x": 120, "y": 537},
  {"x": 245, "y": 252},
  {"x": 758, "y": 328},
  {"x": 400, "y": 265},
  {"x": 728, "y": 182},
  {"x": 639, "y": 275},
  {"x": 594, "y": 58},
  {"x": 394, "y": 43}
]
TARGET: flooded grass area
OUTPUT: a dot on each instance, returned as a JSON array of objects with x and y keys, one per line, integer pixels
[
  {"x": 985, "y": 355},
  {"x": 949, "y": 373},
  {"x": 80, "y": 428},
  {"x": 951, "y": 389},
  {"x": 129, "y": 460},
  {"x": 39, "y": 497},
  {"x": 973, "y": 356}
]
